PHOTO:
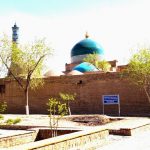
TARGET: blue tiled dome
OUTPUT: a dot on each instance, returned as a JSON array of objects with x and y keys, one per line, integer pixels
[
  {"x": 85, "y": 67},
  {"x": 85, "y": 47}
]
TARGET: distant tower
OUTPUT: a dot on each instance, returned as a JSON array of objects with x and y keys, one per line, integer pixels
[
  {"x": 14, "y": 66},
  {"x": 15, "y": 33}
]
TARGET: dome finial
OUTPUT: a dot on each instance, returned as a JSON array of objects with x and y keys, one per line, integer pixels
[{"x": 86, "y": 35}]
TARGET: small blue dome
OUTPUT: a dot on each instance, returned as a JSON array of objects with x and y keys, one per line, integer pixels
[
  {"x": 87, "y": 46},
  {"x": 85, "y": 67}
]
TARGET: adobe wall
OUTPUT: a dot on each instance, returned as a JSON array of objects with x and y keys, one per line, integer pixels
[{"x": 89, "y": 89}]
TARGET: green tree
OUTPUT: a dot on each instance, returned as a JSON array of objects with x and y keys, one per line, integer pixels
[
  {"x": 58, "y": 107},
  {"x": 24, "y": 63},
  {"x": 57, "y": 110},
  {"x": 103, "y": 65},
  {"x": 99, "y": 64},
  {"x": 67, "y": 98},
  {"x": 92, "y": 58},
  {"x": 139, "y": 70}
]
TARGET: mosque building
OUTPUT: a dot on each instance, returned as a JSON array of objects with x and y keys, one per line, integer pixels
[
  {"x": 82, "y": 78},
  {"x": 79, "y": 51}
]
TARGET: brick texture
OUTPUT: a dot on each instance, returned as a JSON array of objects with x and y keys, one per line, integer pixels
[{"x": 89, "y": 89}]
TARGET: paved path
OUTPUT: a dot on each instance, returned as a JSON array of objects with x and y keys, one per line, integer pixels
[{"x": 139, "y": 141}]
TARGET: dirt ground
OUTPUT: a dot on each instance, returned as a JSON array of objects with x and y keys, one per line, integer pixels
[
  {"x": 66, "y": 121},
  {"x": 92, "y": 120}
]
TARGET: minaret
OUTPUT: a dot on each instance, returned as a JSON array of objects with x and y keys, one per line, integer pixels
[
  {"x": 14, "y": 66},
  {"x": 15, "y": 34}
]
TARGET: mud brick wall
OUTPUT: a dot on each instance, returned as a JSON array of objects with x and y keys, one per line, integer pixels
[
  {"x": 89, "y": 89},
  {"x": 18, "y": 139}
]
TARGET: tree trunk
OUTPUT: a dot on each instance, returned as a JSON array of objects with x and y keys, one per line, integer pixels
[
  {"x": 147, "y": 94},
  {"x": 27, "y": 101},
  {"x": 69, "y": 110}
]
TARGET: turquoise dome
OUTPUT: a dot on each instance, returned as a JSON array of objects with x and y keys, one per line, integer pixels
[
  {"x": 87, "y": 46},
  {"x": 85, "y": 67}
]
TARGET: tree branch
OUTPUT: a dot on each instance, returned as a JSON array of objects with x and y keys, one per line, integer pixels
[{"x": 21, "y": 85}]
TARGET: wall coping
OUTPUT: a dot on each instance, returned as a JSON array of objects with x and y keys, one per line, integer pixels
[{"x": 58, "y": 139}]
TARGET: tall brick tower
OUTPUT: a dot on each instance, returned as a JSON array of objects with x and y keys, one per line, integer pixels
[
  {"x": 13, "y": 66},
  {"x": 15, "y": 34}
]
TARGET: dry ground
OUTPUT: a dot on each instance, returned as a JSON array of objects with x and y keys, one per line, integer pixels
[{"x": 67, "y": 121}]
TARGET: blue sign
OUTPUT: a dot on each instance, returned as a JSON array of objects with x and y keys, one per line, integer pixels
[{"x": 110, "y": 99}]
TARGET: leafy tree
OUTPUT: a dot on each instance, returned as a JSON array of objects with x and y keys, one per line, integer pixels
[
  {"x": 103, "y": 65},
  {"x": 99, "y": 64},
  {"x": 139, "y": 70},
  {"x": 67, "y": 98},
  {"x": 92, "y": 58},
  {"x": 58, "y": 107},
  {"x": 57, "y": 110},
  {"x": 24, "y": 63}
]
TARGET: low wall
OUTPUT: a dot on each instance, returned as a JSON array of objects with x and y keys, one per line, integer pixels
[
  {"x": 26, "y": 134},
  {"x": 17, "y": 139},
  {"x": 45, "y": 133},
  {"x": 70, "y": 141},
  {"x": 130, "y": 131}
]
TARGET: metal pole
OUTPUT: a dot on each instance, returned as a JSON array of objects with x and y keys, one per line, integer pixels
[
  {"x": 103, "y": 104},
  {"x": 119, "y": 105}
]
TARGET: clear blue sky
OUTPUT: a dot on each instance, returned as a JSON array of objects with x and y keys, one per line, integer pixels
[
  {"x": 42, "y": 7},
  {"x": 118, "y": 25}
]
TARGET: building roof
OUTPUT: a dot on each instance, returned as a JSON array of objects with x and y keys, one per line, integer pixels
[
  {"x": 53, "y": 73},
  {"x": 75, "y": 72},
  {"x": 85, "y": 67},
  {"x": 87, "y": 46}
]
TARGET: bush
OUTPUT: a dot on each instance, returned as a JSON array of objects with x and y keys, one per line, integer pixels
[
  {"x": 1, "y": 117},
  {"x": 12, "y": 121},
  {"x": 9, "y": 121},
  {"x": 3, "y": 106},
  {"x": 17, "y": 120}
]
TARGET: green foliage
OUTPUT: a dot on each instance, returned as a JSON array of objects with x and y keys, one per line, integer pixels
[
  {"x": 103, "y": 65},
  {"x": 12, "y": 121},
  {"x": 92, "y": 58},
  {"x": 17, "y": 120},
  {"x": 9, "y": 121},
  {"x": 3, "y": 107},
  {"x": 24, "y": 63},
  {"x": 99, "y": 64},
  {"x": 1, "y": 117},
  {"x": 67, "y": 98},
  {"x": 139, "y": 70},
  {"x": 58, "y": 107},
  {"x": 57, "y": 110},
  {"x": 29, "y": 58}
]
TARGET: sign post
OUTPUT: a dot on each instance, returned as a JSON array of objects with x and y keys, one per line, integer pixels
[{"x": 111, "y": 100}]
